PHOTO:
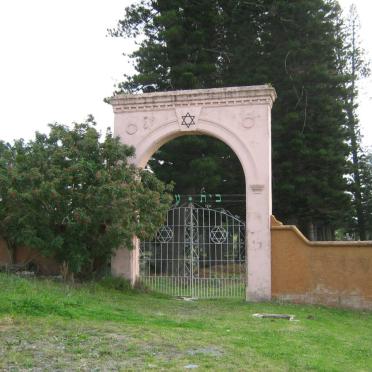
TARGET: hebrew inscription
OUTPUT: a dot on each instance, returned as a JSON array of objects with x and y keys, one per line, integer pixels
[{"x": 148, "y": 121}]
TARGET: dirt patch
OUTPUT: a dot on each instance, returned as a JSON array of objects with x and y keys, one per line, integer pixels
[
  {"x": 6, "y": 323},
  {"x": 210, "y": 351}
]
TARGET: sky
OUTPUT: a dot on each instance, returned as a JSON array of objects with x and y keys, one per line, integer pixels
[{"x": 57, "y": 63}]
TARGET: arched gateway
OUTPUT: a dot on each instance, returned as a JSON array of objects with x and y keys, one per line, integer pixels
[{"x": 240, "y": 117}]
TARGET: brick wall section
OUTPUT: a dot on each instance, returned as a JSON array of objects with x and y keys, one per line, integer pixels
[{"x": 328, "y": 273}]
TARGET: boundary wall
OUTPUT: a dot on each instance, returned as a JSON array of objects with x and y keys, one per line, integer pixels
[{"x": 334, "y": 273}]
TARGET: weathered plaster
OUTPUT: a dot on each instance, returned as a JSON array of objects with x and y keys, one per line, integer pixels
[{"x": 240, "y": 117}]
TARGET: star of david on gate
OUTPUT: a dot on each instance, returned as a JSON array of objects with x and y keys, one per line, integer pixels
[
  {"x": 218, "y": 234},
  {"x": 188, "y": 120},
  {"x": 165, "y": 234}
]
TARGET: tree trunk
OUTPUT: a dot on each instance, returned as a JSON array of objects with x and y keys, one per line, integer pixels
[
  {"x": 13, "y": 251},
  {"x": 311, "y": 230}
]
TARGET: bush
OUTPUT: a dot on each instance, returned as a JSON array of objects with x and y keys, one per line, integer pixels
[
  {"x": 73, "y": 196},
  {"x": 117, "y": 283}
]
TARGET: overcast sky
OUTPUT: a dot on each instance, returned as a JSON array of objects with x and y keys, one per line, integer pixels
[{"x": 57, "y": 64}]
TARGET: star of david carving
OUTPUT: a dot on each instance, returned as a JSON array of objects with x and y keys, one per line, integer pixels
[
  {"x": 218, "y": 235},
  {"x": 188, "y": 120}
]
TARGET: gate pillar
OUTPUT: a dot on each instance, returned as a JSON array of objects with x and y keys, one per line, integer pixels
[
  {"x": 238, "y": 116},
  {"x": 124, "y": 262}
]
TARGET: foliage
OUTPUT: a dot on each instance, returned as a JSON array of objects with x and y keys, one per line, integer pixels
[
  {"x": 116, "y": 283},
  {"x": 292, "y": 45},
  {"x": 308, "y": 135},
  {"x": 365, "y": 170},
  {"x": 181, "y": 50},
  {"x": 211, "y": 166},
  {"x": 53, "y": 326},
  {"x": 74, "y": 197},
  {"x": 180, "y": 47}
]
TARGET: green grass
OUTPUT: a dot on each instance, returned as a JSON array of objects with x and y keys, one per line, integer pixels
[
  {"x": 53, "y": 326},
  {"x": 198, "y": 287}
]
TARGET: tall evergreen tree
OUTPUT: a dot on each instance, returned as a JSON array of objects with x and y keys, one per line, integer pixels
[
  {"x": 354, "y": 67},
  {"x": 292, "y": 45},
  {"x": 179, "y": 49},
  {"x": 184, "y": 48},
  {"x": 309, "y": 150},
  {"x": 365, "y": 170}
]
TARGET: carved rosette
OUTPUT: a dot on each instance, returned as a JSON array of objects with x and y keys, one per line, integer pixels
[
  {"x": 248, "y": 119},
  {"x": 131, "y": 129}
]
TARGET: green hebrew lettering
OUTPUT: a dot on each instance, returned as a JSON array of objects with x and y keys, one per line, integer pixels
[
  {"x": 218, "y": 198},
  {"x": 178, "y": 198},
  {"x": 203, "y": 197}
]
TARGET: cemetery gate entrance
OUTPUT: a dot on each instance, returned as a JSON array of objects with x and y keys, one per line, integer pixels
[
  {"x": 198, "y": 252},
  {"x": 241, "y": 118}
]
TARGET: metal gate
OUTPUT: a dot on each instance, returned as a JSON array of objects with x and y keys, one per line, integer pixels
[{"x": 198, "y": 252}]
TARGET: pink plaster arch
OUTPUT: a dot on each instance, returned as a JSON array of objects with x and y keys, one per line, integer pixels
[
  {"x": 169, "y": 131},
  {"x": 238, "y": 116}
]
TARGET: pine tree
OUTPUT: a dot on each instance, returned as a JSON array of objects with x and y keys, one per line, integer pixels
[
  {"x": 354, "y": 67},
  {"x": 179, "y": 50},
  {"x": 365, "y": 170},
  {"x": 308, "y": 122},
  {"x": 184, "y": 48}
]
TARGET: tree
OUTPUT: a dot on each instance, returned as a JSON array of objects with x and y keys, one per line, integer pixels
[
  {"x": 365, "y": 166},
  {"x": 293, "y": 46},
  {"x": 308, "y": 132},
  {"x": 75, "y": 198},
  {"x": 8, "y": 216},
  {"x": 180, "y": 47},
  {"x": 354, "y": 67},
  {"x": 181, "y": 51}
]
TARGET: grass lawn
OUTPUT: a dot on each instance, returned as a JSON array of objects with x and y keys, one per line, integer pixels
[{"x": 52, "y": 326}]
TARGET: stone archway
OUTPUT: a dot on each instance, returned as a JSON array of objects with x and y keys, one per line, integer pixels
[{"x": 238, "y": 116}]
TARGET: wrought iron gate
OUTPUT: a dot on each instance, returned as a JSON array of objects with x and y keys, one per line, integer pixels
[{"x": 198, "y": 252}]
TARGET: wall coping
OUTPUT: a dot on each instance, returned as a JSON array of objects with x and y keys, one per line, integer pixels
[
  {"x": 257, "y": 94},
  {"x": 277, "y": 226}
]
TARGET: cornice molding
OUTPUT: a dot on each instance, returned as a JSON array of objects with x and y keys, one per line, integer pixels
[{"x": 259, "y": 94}]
